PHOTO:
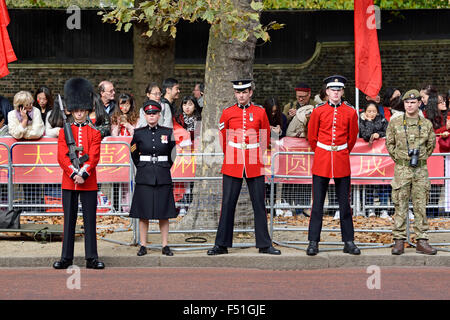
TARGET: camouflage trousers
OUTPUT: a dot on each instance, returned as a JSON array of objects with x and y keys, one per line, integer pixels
[{"x": 410, "y": 183}]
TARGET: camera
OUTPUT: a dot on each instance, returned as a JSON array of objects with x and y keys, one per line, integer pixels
[{"x": 414, "y": 155}]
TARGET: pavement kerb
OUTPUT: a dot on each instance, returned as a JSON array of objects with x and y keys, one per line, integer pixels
[{"x": 289, "y": 261}]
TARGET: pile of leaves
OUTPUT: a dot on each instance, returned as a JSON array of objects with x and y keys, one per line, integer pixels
[
  {"x": 362, "y": 223},
  {"x": 105, "y": 224}
]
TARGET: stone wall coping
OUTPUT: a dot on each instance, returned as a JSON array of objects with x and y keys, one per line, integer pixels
[{"x": 300, "y": 66}]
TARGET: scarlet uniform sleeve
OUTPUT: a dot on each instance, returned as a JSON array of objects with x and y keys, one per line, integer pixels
[
  {"x": 63, "y": 158},
  {"x": 353, "y": 131},
  {"x": 223, "y": 126},
  {"x": 265, "y": 127},
  {"x": 313, "y": 129},
  {"x": 94, "y": 155}
]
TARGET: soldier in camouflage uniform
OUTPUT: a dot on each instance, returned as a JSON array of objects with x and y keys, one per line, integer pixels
[{"x": 410, "y": 140}]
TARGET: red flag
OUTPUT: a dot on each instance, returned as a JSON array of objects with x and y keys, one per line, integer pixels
[
  {"x": 367, "y": 53},
  {"x": 7, "y": 54}
]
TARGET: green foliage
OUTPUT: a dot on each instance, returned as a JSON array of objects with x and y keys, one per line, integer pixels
[
  {"x": 348, "y": 4},
  {"x": 85, "y": 4},
  {"x": 165, "y": 14},
  {"x": 267, "y": 4}
]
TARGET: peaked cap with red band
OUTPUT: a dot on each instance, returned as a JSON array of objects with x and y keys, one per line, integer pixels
[{"x": 151, "y": 106}]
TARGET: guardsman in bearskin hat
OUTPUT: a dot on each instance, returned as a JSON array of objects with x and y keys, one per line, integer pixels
[
  {"x": 332, "y": 134},
  {"x": 78, "y": 155},
  {"x": 245, "y": 135}
]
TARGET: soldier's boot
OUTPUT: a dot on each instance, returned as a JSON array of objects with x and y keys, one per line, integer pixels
[
  {"x": 399, "y": 247},
  {"x": 424, "y": 247}
]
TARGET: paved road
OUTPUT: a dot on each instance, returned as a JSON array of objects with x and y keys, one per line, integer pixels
[{"x": 226, "y": 284}]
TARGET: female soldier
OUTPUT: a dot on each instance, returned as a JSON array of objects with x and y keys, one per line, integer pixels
[{"x": 153, "y": 151}]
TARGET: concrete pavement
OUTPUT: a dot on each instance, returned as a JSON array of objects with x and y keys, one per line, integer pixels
[{"x": 29, "y": 253}]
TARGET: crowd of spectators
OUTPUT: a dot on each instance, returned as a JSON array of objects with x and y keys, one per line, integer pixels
[{"x": 34, "y": 116}]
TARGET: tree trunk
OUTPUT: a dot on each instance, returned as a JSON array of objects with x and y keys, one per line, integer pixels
[
  {"x": 226, "y": 60},
  {"x": 153, "y": 61}
]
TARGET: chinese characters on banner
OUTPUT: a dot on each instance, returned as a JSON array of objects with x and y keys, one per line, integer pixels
[{"x": 116, "y": 157}]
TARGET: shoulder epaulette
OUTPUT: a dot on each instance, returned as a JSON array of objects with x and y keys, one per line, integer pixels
[
  {"x": 258, "y": 105},
  {"x": 229, "y": 107},
  {"x": 90, "y": 124},
  {"x": 348, "y": 104},
  {"x": 320, "y": 104},
  {"x": 140, "y": 129},
  {"x": 167, "y": 128}
]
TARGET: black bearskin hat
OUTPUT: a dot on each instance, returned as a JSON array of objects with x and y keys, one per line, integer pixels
[{"x": 78, "y": 94}]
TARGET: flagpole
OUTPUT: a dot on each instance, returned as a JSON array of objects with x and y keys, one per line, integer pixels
[{"x": 357, "y": 99}]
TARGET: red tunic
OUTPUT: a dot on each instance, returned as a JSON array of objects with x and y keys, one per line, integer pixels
[
  {"x": 332, "y": 126},
  {"x": 249, "y": 126},
  {"x": 90, "y": 140}
]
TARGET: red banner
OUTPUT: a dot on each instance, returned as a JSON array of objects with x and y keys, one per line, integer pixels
[
  {"x": 368, "y": 77},
  {"x": 361, "y": 166},
  {"x": 7, "y": 54},
  {"x": 30, "y": 157},
  {"x": 117, "y": 159}
]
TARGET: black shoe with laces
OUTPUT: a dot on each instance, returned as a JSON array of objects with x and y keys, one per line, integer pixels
[{"x": 142, "y": 251}]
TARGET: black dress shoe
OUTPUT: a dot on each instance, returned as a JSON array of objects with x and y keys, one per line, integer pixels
[
  {"x": 62, "y": 264},
  {"x": 350, "y": 247},
  {"x": 313, "y": 248},
  {"x": 217, "y": 250},
  {"x": 270, "y": 250},
  {"x": 166, "y": 250},
  {"x": 94, "y": 264},
  {"x": 142, "y": 251}
]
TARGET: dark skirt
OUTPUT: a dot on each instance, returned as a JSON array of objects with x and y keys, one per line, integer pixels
[{"x": 153, "y": 202}]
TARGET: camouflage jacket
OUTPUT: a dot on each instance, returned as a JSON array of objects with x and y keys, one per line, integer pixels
[{"x": 396, "y": 144}]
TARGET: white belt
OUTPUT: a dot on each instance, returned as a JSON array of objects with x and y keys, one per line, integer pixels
[
  {"x": 332, "y": 148},
  {"x": 154, "y": 159},
  {"x": 243, "y": 145}
]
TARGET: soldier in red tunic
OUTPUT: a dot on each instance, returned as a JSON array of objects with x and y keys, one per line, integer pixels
[
  {"x": 332, "y": 134},
  {"x": 244, "y": 136},
  {"x": 79, "y": 182}
]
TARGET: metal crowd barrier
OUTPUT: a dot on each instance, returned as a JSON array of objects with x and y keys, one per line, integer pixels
[
  {"x": 7, "y": 167},
  {"x": 355, "y": 205},
  {"x": 213, "y": 205},
  {"x": 32, "y": 198}
]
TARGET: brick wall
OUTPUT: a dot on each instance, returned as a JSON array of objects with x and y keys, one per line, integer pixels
[{"x": 406, "y": 65}]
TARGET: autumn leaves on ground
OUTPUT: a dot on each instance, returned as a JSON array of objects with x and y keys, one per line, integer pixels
[{"x": 109, "y": 224}]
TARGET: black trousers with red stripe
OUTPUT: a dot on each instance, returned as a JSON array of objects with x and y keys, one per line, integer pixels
[
  {"x": 231, "y": 187},
  {"x": 320, "y": 188},
  {"x": 89, "y": 206}
]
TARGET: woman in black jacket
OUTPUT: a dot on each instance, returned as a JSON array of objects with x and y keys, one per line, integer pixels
[{"x": 371, "y": 124}]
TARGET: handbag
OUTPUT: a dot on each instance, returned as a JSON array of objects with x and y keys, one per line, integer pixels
[
  {"x": 444, "y": 144},
  {"x": 10, "y": 219}
]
